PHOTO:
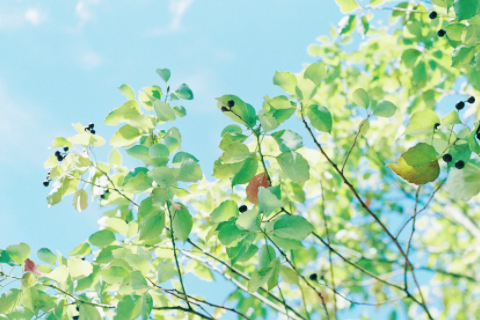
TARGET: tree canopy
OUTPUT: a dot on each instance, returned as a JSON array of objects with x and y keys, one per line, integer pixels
[{"x": 372, "y": 204}]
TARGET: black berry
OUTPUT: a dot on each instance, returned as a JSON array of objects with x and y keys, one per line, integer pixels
[
  {"x": 76, "y": 317},
  {"x": 231, "y": 103},
  {"x": 86, "y": 129},
  {"x": 224, "y": 109},
  {"x": 65, "y": 148},
  {"x": 83, "y": 258},
  {"x": 441, "y": 33},
  {"x": 57, "y": 153},
  {"x": 447, "y": 157},
  {"x": 48, "y": 174},
  {"x": 459, "y": 164},
  {"x": 102, "y": 196},
  {"x": 92, "y": 131},
  {"x": 107, "y": 191},
  {"x": 60, "y": 158},
  {"x": 46, "y": 183},
  {"x": 471, "y": 99},
  {"x": 460, "y": 105},
  {"x": 78, "y": 308},
  {"x": 478, "y": 135},
  {"x": 435, "y": 127},
  {"x": 242, "y": 208},
  {"x": 313, "y": 277},
  {"x": 91, "y": 125},
  {"x": 432, "y": 15}
]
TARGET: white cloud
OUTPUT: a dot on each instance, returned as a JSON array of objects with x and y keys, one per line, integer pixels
[
  {"x": 34, "y": 16},
  {"x": 83, "y": 10},
  {"x": 18, "y": 18},
  {"x": 177, "y": 9},
  {"x": 90, "y": 59}
]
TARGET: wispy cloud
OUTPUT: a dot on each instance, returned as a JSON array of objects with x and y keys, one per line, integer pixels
[
  {"x": 89, "y": 59},
  {"x": 177, "y": 9},
  {"x": 84, "y": 10},
  {"x": 18, "y": 18}
]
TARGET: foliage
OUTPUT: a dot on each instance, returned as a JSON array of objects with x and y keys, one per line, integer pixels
[{"x": 325, "y": 228}]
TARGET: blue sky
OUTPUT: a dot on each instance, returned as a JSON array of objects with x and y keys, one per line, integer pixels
[{"x": 61, "y": 62}]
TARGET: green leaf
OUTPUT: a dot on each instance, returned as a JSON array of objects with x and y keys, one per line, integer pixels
[
  {"x": 292, "y": 227},
  {"x": 295, "y": 192},
  {"x": 181, "y": 157},
  {"x": 347, "y": 6},
  {"x": 144, "y": 122},
  {"x": 316, "y": 72},
  {"x": 165, "y": 270},
  {"x": 114, "y": 274},
  {"x": 81, "y": 250},
  {"x": 280, "y": 108},
  {"x": 164, "y": 111},
  {"x": 288, "y": 244},
  {"x": 89, "y": 312},
  {"x": 182, "y": 224},
  {"x": 127, "y": 111},
  {"x": 418, "y": 165},
  {"x": 294, "y": 166},
  {"x": 465, "y": 183},
  {"x": 285, "y": 80},
  {"x": 190, "y": 171},
  {"x": 80, "y": 200},
  {"x": 61, "y": 142},
  {"x": 410, "y": 57},
  {"x": 19, "y": 252},
  {"x": 247, "y": 219},
  {"x": 305, "y": 90},
  {"x": 158, "y": 151},
  {"x": 125, "y": 136},
  {"x": 127, "y": 91},
  {"x": 268, "y": 122},
  {"x": 385, "y": 109},
  {"x": 164, "y": 74},
  {"x": 262, "y": 276},
  {"x": 180, "y": 111},
  {"x": 246, "y": 173},
  {"x": 462, "y": 56},
  {"x": 268, "y": 201},
  {"x": 451, "y": 119},
  {"x": 265, "y": 255},
  {"x": 288, "y": 275},
  {"x": 454, "y": 31},
  {"x": 235, "y": 152},
  {"x": 152, "y": 226},
  {"x": 117, "y": 225},
  {"x": 115, "y": 158},
  {"x": 320, "y": 118},
  {"x": 422, "y": 122},
  {"x": 184, "y": 92},
  {"x": 288, "y": 140},
  {"x": 229, "y": 234},
  {"x": 102, "y": 238},
  {"x": 138, "y": 184},
  {"x": 165, "y": 177},
  {"x": 242, "y": 112},
  {"x": 60, "y": 274},
  {"x": 138, "y": 262},
  {"x": 472, "y": 35},
  {"x": 361, "y": 98},
  {"x": 51, "y": 162},
  {"x": 226, "y": 210},
  {"x": 126, "y": 308},
  {"x": 10, "y": 300},
  {"x": 465, "y": 9},
  {"x": 347, "y": 25},
  {"x": 47, "y": 256},
  {"x": 79, "y": 268}
]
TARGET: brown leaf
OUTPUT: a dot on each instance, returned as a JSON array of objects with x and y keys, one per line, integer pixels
[
  {"x": 260, "y": 180},
  {"x": 32, "y": 267}
]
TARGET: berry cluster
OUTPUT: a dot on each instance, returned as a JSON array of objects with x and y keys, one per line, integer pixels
[
  {"x": 242, "y": 208},
  {"x": 461, "y": 104},
  {"x": 447, "y": 157},
  {"x": 76, "y": 317},
  {"x": 230, "y": 104},
  {"x": 90, "y": 128},
  {"x": 60, "y": 156},
  {"x": 105, "y": 193}
]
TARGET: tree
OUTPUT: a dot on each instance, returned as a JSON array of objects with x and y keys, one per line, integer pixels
[{"x": 378, "y": 212}]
